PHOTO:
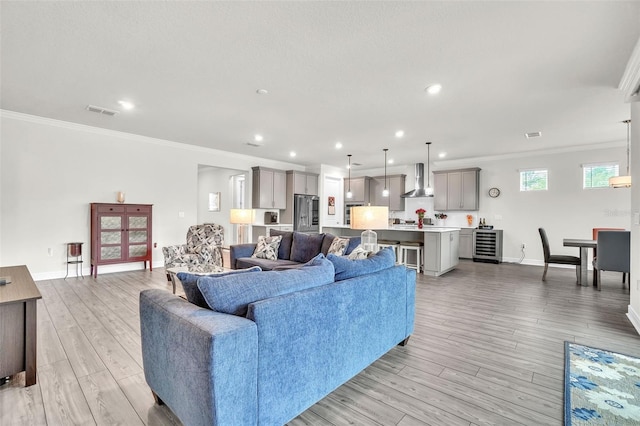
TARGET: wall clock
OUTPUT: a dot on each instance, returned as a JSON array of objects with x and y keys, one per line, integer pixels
[{"x": 494, "y": 192}]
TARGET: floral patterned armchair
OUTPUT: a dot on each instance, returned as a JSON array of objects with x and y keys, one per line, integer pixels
[{"x": 203, "y": 248}]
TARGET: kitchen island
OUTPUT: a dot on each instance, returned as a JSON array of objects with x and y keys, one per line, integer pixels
[{"x": 440, "y": 253}]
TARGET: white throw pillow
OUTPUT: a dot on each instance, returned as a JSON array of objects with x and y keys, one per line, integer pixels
[
  {"x": 359, "y": 253},
  {"x": 267, "y": 247},
  {"x": 338, "y": 246}
]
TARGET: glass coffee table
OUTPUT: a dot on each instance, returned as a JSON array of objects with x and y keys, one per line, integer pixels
[{"x": 196, "y": 270}]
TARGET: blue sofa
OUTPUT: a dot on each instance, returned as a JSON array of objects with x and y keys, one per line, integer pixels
[
  {"x": 295, "y": 249},
  {"x": 279, "y": 355}
]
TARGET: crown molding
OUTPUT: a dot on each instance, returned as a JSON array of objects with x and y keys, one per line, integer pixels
[{"x": 630, "y": 82}]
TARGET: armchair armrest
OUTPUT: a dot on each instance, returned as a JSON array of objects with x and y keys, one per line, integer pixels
[
  {"x": 173, "y": 253},
  {"x": 203, "y": 364},
  {"x": 238, "y": 251}
]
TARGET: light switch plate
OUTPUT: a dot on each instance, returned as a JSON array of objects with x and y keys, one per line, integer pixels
[{"x": 636, "y": 218}]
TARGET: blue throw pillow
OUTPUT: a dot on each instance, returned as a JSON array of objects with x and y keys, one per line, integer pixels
[
  {"x": 347, "y": 268},
  {"x": 190, "y": 284},
  {"x": 233, "y": 293}
]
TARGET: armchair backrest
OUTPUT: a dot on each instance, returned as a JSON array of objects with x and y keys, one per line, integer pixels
[
  {"x": 207, "y": 234},
  {"x": 614, "y": 251}
]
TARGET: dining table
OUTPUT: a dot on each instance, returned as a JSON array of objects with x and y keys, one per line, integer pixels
[{"x": 584, "y": 245}]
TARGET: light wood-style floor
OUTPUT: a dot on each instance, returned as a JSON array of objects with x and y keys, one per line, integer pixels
[{"x": 487, "y": 349}]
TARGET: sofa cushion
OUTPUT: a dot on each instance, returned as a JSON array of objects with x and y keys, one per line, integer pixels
[
  {"x": 267, "y": 247},
  {"x": 232, "y": 294},
  {"x": 326, "y": 243},
  {"x": 189, "y": 283},
  {"x": 338, "y": 246},
  {"x": 353, "y": 243},
  {"x": 346, "y": 268},
  {"x": 284, "y": 251},
  {"x": 305, "y": 246},
  {"x": 359, "y": 253},
  {"x": 265, "y": 264}
]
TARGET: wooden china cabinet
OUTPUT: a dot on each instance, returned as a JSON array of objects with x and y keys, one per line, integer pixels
[{"x": 120, "y": 233}]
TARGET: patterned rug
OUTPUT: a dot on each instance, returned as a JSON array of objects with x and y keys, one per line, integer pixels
[{"x": 600, "y": 387}]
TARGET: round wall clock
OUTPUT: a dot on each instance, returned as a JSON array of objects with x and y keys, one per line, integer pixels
[{"x": 494, "y": 192}]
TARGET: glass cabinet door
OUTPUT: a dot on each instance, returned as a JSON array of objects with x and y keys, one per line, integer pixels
[
  {"x": 137, "y": 240},
  {"x": 111, "y": 237}
]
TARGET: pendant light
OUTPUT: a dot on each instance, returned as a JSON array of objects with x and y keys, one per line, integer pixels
[
  {"x": 623, "y": 181},
  {"x": 428, "y": 191},
  {"x": 349, "y": 193},
  {"x": 385, "y": 191}
]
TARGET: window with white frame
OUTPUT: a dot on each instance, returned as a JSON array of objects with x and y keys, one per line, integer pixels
[
  {"x": 597, "y": 175},
  {"x": 534, "y": 180}
]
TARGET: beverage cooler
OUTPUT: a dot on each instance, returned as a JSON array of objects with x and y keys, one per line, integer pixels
[{"x": 487, "y": 245}]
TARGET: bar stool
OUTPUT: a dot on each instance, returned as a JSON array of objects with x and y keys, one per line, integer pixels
[
  {"x": 391, "y": 243},
  {"x": 405, "y": 247}
]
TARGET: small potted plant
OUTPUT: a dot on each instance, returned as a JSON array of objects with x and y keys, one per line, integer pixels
[{"x": 420, "y": 212}]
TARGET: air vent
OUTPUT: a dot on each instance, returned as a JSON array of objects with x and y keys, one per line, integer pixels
[
  {"x": 256, "y": 144},
  {"x": 101, "y": 110},
  {"x": 533, "y": 135},
  {"x": 356, "y": 164}
]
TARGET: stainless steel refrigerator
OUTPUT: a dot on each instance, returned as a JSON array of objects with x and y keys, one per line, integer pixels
[{"x": 306, "y": 214}]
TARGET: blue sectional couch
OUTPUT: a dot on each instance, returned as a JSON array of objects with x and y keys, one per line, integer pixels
[
  {"x": 296, "y": 336},
  {"x": 295, "y": 249}
]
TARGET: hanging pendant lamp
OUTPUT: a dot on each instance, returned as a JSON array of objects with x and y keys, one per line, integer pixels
[
  {"x": 623, "y": 181},
  {"x": 349, "y": 193},
  {"x": 428, "y": 191},
  {"x": 385, "y": 191}
]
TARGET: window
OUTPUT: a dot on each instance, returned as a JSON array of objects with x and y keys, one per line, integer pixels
[
  {"x": 597, "y": 175},
  {"x": 533, "y": 180}
]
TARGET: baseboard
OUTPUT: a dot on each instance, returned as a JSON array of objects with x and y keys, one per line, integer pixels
[
  {"x": 634, "y": 318},
  {"x": 103, "y": 269}
]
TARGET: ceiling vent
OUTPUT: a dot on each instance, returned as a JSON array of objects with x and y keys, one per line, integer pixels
[
  {"x": 101, "y": 110},
  {"x": 256, "y": 144},
  {"x": 532, "y": 135}
]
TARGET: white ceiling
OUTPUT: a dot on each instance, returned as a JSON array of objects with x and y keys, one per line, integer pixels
[{"x": 353, "y": 72}]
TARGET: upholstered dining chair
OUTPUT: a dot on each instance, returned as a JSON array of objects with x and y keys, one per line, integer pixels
[
  {"x": 203, "y": 248},
  {"x": 614, "y": 249},
  {"x": 594, "y": 234},
  {"x": 556, "y": 258}
]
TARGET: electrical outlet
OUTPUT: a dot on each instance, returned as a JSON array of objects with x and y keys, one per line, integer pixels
[
  {"x": 638, "y": 285},
  {"x": 50, "y": 251}
]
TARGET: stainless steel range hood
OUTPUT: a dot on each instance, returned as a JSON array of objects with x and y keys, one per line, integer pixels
[{"x": 419, "y": 189}]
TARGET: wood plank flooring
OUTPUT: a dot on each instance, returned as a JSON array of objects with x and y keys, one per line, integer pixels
[{"x": 487, "y": 350}]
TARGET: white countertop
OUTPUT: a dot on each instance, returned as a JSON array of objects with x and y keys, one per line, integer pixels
[
  {"x": 272, "y": 225},
  {"x": 407, "y": 228}
]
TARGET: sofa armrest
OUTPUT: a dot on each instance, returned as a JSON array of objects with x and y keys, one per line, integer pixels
[
  {"x": 203, "y": 364},
  {"x": 238, "y": 251}
]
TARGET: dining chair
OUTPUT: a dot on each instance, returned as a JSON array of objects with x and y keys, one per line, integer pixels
[
  {"x": 556, "y": 258},
  {"x": 594, "y": 232},
  {"x": 614, "y": 249}
]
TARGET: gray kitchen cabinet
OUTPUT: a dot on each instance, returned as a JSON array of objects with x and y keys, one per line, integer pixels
[
  {"x": 304, "y": 183},
  {"x": 360, "y": 187},
  {"x": 466, "y": 243},
  {"x": 440, "y": 252},
  {"x": 395, "y": 185},
  {"x": 269, "y": 188},
  {"x": 457, "y": 189}
]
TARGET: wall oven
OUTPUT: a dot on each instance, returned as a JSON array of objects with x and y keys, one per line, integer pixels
[{"x": 347, "y": 211}]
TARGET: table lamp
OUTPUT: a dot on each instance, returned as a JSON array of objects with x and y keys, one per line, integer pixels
[
  {"x": 242, "y": 218},
  {"x": 369, "y": 218}
]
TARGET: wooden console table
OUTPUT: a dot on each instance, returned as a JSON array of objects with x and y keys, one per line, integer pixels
[{"x": 18, "y": 323}]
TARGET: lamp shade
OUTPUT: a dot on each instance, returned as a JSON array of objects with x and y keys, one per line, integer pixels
[
  {"x": 369, "y": 217},
  {"x": 241, "y": 216}
]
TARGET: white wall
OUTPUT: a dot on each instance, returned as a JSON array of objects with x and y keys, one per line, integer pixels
[
  {"x": 51, "y": 170},
  {"x": 634, "y": 304}
]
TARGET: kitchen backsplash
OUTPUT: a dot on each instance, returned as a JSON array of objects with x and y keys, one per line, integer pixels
[{"x": 454, "y": 219}]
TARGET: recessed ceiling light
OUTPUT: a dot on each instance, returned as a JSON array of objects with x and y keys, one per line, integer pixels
[
  {"x": 433, "y": 89},
  {"x": 442, "y": 154},
  {"x": 292, "y": 154},
  {"x": 126, "y": 105},
  {"x": 338, "y": 145},
  {"x": 258, "y": 138},
  {"x": 399, "y": 133},
  {"x": 262, "y": 92},
  {"x": 390, "y": 161}
]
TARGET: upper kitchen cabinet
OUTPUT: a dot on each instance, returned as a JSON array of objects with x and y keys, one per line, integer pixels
[
  {"x": 395, "y": 185},
  {"x": 303, "y": 182},
  {"x": 269, "y": 188},
  {"x": 360, "y": 187},
  {"x": 457, "y": 189}
]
